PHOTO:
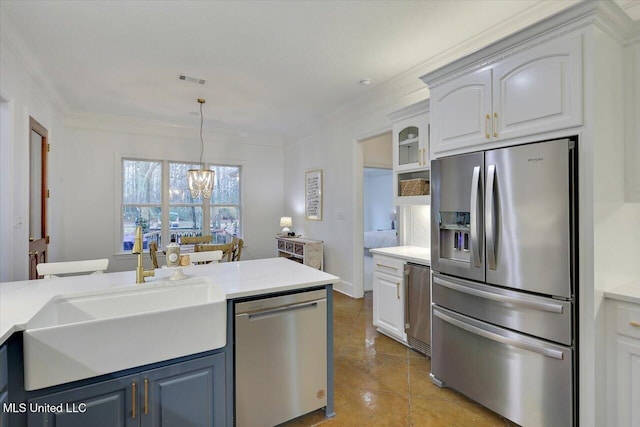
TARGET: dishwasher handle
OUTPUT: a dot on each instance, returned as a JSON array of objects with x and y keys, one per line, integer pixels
[{"x": 257, "y": 315}]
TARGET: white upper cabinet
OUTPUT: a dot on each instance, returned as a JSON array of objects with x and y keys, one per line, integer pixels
[
  {"x": 525, "y": 91},
  {"x": 459, "y": 110},
  {"x": 411, "y": 159},
  {"x": 538, "y": 90},
  {"x": 411, "y": 137}
]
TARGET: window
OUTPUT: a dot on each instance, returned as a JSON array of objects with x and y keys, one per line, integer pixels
[{"x": 155, "y": 195}]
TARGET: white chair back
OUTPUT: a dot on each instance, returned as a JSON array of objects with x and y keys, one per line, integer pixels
[
  {"x": 51, "y": 269},
  {"x": 206, "y": 256}
]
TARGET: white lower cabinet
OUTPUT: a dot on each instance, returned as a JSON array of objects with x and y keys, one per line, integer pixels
[
  {"x": 624, "y": 394},
  {"x": 389, "y": 297}
]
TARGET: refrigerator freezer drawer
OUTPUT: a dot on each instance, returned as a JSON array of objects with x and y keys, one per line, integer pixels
[
  {"x": 526, "y": 380},
  {"x": 542, "y": 317}
]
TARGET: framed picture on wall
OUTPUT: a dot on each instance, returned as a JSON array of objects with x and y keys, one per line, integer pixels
[{"x": 313, "y": 195}]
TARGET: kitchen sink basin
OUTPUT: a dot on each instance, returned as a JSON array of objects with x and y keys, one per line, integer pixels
[{"x": 79, "y": 337}]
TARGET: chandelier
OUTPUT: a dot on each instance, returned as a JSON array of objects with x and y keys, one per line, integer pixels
[{"x": 201, "y": 180}]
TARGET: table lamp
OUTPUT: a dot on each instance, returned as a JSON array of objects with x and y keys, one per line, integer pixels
[{"x": 285, "y": 223}]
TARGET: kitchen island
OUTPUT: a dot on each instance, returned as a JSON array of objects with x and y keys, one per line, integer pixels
[{"x": 123, "y": 395}]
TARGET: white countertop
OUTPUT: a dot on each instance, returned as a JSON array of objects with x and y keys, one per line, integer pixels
[
  {"x": 408, "y": 253},
  {"x": 629, "y": 293},
  {"x": 20, "y": 301}
]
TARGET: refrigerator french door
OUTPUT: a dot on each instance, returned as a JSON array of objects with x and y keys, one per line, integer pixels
[{"x": 503, "y": 293}]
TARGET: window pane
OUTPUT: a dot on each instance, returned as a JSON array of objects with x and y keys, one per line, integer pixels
[
  {"x": 225, "y": 223},
  {"x": 148, "y": 218},
  {"x": 178, "y": 184},
  {"x": 226, "y": 190},
  {"x": 141, "y": 181},
  {"x": 185, "y": 218}
]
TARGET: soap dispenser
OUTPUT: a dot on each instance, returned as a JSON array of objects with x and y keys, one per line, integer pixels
[{"x": 173, "y": 253}]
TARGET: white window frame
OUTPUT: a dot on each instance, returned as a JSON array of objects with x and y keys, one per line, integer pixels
[{"x": 165, "y": 204}]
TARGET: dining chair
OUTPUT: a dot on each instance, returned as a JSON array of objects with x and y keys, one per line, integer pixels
[
  {"x": 205, "y": 257},
  {"x": 194, "y": 240},
  {"x": 153, "y": 248},
  {"x": 51, "y": 269},
  {"x": 226, "y": 249},
  {"x": 236, "y": 249}
]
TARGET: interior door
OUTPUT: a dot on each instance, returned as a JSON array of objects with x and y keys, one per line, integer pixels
[{"x": 38, "y": 238}]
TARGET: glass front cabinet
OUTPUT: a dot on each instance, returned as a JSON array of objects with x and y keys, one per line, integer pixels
[{"x": 411, "y": 160}]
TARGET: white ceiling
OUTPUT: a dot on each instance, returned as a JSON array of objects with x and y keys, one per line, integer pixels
[{"x": 275, "y": 67}]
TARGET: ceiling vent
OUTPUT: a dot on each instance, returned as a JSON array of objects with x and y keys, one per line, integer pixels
[{"x": 191, "y": 79}]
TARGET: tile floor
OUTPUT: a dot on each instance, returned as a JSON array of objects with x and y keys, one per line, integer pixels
[{"x": 379, "y": 382}]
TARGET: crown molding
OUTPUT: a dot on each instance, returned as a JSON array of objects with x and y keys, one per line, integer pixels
[
  {"x": 605, "y": 15},
  {"x": 410, "y": 111},
  {"x": 134, "y": 125},
  {"x": 392, "y": 94}
]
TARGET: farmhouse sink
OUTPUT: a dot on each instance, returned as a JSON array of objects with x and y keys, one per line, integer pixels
[{"x": 79, "y": 337}]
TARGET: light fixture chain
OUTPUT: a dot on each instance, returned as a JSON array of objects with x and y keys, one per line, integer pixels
[{"x": 201, "y": 139}]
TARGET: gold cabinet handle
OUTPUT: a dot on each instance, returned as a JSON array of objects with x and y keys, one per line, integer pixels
[
  {"x": 398, "y": 289},
  {"x": 495, "y": 125},
  {"x": 635, "y": 324},
  {"x": 386, "y": 266},
  {"x": 146, "y": 396},
  {"x": 486, "y": 126},
  {"x": 133, "y": 400},
  {"x": 420, "y": 156}
]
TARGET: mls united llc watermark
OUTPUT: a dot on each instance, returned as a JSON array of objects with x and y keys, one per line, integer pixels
[{"x": 32, "y": 407}]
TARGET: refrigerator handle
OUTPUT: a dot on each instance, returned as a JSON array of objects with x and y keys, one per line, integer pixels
[
  {"x": 545, "y": 351},
  {"x": 490, "y": 216},
  {"x": 475, "y": 212}
]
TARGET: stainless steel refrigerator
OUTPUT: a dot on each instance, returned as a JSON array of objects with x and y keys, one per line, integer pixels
[{"x": 504, "y": 288}]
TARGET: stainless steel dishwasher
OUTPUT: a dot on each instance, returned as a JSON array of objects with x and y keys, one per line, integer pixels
[{"x": 281, "y": 358}]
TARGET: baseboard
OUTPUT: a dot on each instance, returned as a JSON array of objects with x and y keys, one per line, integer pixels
[{"x": 344, "y": 288}]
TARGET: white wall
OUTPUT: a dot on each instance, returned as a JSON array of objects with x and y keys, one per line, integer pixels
[
  {"x": 84, "y": 148},
  {"x": 378, "y": 151},
  {"x": 23, "y": 95},
  {"x": 89, "y": 187},
  {"x": 416, "y": 225},
  {"x": 334, "y": 147},
  {"x": 378, "y": 199}
]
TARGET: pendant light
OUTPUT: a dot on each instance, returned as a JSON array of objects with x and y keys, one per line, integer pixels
[{"x": 201, "y": 180}]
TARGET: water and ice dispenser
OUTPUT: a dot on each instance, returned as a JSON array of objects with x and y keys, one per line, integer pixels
[{"x": 455, "y": 236}]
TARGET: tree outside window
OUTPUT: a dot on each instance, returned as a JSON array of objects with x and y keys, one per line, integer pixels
[{"x": 176, "y": 214}]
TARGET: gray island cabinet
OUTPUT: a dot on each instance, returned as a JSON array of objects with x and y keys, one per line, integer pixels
[
  {"x": 190, "y": 393},
  {"x": 4, "y": 386},
  {"x": 196, "y": 390}
]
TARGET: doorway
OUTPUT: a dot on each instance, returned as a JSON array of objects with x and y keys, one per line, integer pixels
[
  {"x": 38, "y": 194},
  {"x": 378, "y": 210}
]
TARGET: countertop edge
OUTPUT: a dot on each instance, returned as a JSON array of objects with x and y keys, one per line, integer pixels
[
  {"x": 233, "y": 283},
  {"x": 415, "y": 254},
  {"x": 629, "y": 293}
]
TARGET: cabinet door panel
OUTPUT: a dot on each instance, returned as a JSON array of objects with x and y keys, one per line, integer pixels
[
  {"x": 186, "y": 394},
  {"x": 628, "y": 380},
  {"x": 4, "y": 416},
  {"x": 388, "y": 304},
  {"x": 539, "y": 90},
  {"x": 108, "y": 404},
  {"x": 458, "y": 112}
]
